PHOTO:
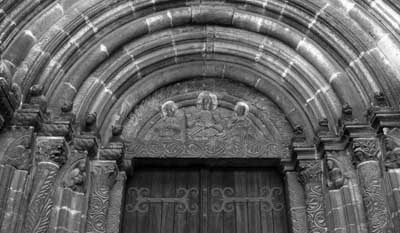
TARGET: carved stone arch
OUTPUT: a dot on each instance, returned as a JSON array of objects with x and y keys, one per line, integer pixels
[{"x": 192, "y": 130}]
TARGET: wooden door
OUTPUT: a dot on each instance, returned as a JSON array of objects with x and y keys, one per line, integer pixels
[{"x": 205, "y": 200}]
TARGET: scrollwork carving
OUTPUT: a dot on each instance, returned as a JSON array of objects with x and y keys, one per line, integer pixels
[
  {"x": 310, "y": 176},
  {"x": 310, "y": 172},
  {"x": 142, "y": 200},
  {"x": 365, "y": 150},
  {"x": 224, "y": 199},
  {"x": 39, "y": 210},
  {"x": 374, "y": 198},
  {"x": 50, "y": 156},
  {"x": 103, "y": 175}
]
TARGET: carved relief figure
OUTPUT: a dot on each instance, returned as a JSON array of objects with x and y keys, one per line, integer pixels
[
  {"x": 172, "y": 124},
  {"x": 76, "y": 177},
  {"x": 392, "y": 145},
  {"x": 37, "y": 98},
  {"x": 336, "y": 178},
  {"x": 206, "y": 122},
  {"x": 90, "y": 123},
  {"x": 240, "y": 128}
]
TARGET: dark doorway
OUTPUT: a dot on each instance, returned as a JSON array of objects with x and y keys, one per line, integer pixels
[{"x": 205, "y": 199}]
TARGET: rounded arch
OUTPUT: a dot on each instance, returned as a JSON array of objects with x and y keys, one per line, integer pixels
[{"x": 309, "y": 57}]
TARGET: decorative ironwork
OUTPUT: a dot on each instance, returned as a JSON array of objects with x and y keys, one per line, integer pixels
[
  {"x": 225, "y": 200},
  {"x": 142, "y": 200}
]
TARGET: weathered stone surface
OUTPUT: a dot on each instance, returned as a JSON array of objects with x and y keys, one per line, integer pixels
[
  {"x": 50, "y": 156},
  {"x": 310, "y": 176},
  {"x": 103, "y": 175},
  {"x": 16, "y": 202},
  {"x": 114, "y": 217},
  {"x": 295, "y": 198},
  {"x": 371, "y": 182}
]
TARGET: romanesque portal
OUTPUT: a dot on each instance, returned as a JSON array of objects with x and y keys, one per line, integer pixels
[{"x": 199, "y": 116}]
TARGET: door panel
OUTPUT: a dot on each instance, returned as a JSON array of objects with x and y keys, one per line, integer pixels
[{"x": 203, "y": 200}]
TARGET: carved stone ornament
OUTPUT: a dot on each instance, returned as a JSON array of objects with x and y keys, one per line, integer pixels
[
  {"x": 211, "y": 118},
  {"x": 9, "y": 99},
  {"x": 103, "y": 176},
  {"x": 336, "y": 177},
  {"x": 365, "y": 150},
  {"x": 391, "y": 143},
  {"x": 36, "y": 97},
  {"x": 347, "y": 112},
  {"x": 50, "y": 150},
  {"x": 90, "y": 126},
  {"x": 310, "y": 172},
  {"x": 374, "y": 198},
  {"x": 50, "y": 155},
  {"x": 76, "y": 177},
  {"x": 19, "y": 153},
  {"x": 311, "y": 177}
]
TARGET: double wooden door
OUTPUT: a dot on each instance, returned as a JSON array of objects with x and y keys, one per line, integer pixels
[{"x": 205, "y": 200}]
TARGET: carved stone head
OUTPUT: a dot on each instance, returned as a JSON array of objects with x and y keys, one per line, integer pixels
[
  {"x": 347, "y": 112},
  {"x": 298, "y": 130},
  {"x": 169, "y": 109},
  {"x": 207, "y": 101},
  {"x": 91, "y": 119},
  {"x": 380, "y": 99},
  {"x": 36, "y": 90},
  {"x": 67, "y": 106},
  {"x": 241, "y": 109},
  {"x": 116, "y": 130}
]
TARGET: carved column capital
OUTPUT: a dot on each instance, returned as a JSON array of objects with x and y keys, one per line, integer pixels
[
  {"x": 365, "y": 149},
  {"x": 50, "y": 150},
  {"x": 104, "y": 173},
  {"x": 310, "y": 171}
]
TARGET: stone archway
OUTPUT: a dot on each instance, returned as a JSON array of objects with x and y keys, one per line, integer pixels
[
  {"x": 72, "y": 72},
  {"x": 207, "y": 154}
]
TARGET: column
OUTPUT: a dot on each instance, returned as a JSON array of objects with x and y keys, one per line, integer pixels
[
  {"x": 115, "y": 210},
  {"x": 346, "y": 210},
  {"x": 50, "y": 156},
  {"x": 310, "y": 176},
  {"x": 391, "y": 159},
  {"x": 103, "y": 174},
  {"x": 297, "y": 206},
  {"x": 371, "y": 183}
]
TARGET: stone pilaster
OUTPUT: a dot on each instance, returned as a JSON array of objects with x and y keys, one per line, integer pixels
[
  {"x": 391, "y": 162},
  {"x": 296, "y": 201},
  {"x": 310, "y": 176},
  {"x": 372, "y": 188},
  {"x": 114, "y": 216},
  {"x": 50, "y": 156},
  {"x": 103, "y": 175}
]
